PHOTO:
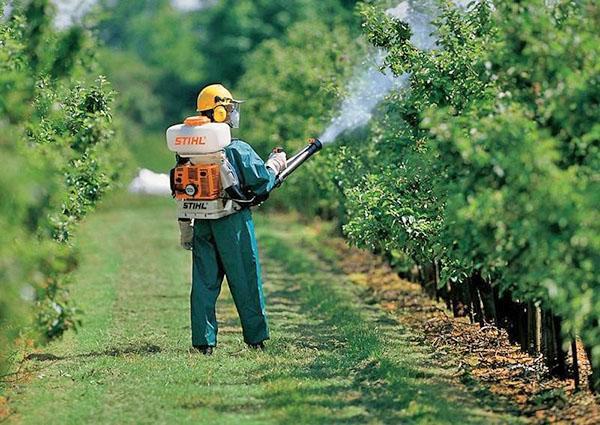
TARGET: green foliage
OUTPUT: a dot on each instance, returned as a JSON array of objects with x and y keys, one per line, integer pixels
[
  {"x": 60, "y": 156},
  {"x": 75, "y": 138},
  {"x": 234, "y": 28},
  {"x": 151, "y": 54}
]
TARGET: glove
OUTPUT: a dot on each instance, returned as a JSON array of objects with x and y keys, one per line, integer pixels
[
  {"x": 277, "y": 162},
  {"x": 186, "y": 231}
]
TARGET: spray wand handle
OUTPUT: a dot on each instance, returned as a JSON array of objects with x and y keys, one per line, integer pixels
[{"x": 298, "y": 159}]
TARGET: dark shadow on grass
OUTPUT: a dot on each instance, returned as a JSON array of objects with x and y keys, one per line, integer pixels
[
  {"x": 141, "y": 349},
  {"x": 169, "y": 296}
]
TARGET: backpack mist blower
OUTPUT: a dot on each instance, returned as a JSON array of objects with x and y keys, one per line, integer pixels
[{"x": 203, "y": 182}]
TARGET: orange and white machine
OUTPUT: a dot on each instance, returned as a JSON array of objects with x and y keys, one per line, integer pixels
[{"x": 203, "y": 178}]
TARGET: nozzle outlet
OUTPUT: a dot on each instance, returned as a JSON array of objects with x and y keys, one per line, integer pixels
[{"x": 316, "y": 142}]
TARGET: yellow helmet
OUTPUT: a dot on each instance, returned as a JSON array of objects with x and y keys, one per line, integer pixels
[
  {"x": 212, "y": 96},
  {"x": 218, "y": 103}
]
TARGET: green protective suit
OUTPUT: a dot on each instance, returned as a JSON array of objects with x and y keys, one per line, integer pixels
[{"x": 227, "y": 247}]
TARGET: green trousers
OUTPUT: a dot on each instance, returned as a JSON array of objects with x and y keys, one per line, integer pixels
[{"x": 227, "y": 247}]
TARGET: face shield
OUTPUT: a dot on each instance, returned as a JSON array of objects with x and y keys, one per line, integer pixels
[{"x": 234, "y": 115}]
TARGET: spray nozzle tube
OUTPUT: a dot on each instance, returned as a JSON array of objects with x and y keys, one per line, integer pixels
[{"x": 314, "y": 146}]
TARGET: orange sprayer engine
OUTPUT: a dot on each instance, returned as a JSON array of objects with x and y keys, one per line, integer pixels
[{"x": 198, "y": 182}]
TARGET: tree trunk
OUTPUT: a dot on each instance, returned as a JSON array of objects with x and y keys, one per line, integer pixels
[
  {"x": 436, "y": 279},
  {"x": 575, "y": 363},
  {"x": 466, "y": 300},
  {"x": 538, "y": 329},
  {"x": 421, "y": 274},
  {"x": 523, "y": 324},
  {"x": 533, "y": 329},
  {"x": 475, "y": 313},
  {"x": 454, "y": 298},
  {"x": 594, "y": 378},
  {"x": 554, "y": 355},
  {"x": 429, "y": 279},
  {"x": 486, "y": 293},
  {"x": 444, "y": 294},
  {"x": 507, "y": 313},
  {"x": 547, "y": 340},
  {"x": 561, "y": 355}
]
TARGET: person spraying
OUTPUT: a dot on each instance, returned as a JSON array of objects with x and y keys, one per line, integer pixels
[{"x": 215, "y": 182}]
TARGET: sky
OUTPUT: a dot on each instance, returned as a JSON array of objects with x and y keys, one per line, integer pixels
[{"x": 70, "y": 11}]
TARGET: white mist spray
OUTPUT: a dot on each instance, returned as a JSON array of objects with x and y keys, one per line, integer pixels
[
  {"x": 369, "y": 86},
  {"x": 366, "y": 90}
]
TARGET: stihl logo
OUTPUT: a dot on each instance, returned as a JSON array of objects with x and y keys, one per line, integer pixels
[
  {"x": 195, "y": 206},
  {"x": 190, "y": 140}
]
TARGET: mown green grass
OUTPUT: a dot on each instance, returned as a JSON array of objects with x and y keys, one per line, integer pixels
[{"x": 331, "y": 359}]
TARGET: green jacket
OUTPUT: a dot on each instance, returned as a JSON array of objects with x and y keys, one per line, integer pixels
[{"x": 250, "y": 168}]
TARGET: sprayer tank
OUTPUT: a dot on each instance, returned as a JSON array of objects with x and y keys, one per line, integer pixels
[{"x": 188, "y": 140}]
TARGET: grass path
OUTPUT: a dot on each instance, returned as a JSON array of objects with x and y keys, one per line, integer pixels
[{"x": 331, "y": 359}]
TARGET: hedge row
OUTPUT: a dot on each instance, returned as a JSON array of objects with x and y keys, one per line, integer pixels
[
  {"x": 487, "y": 166},
  {"x": 58, "y": 159}
]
